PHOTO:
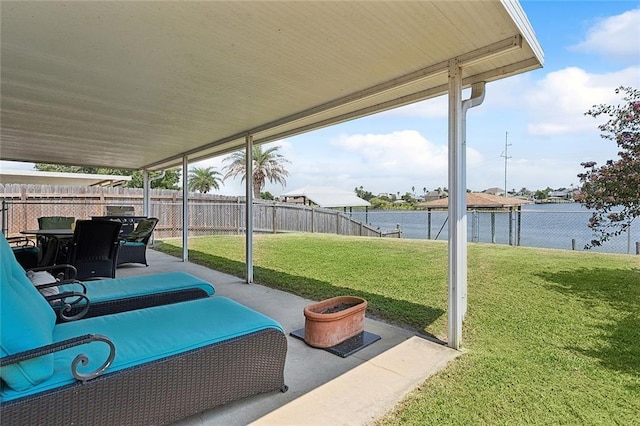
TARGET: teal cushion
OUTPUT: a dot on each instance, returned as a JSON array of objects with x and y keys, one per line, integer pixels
[
  {"x": 120, "y": 288},
  {"x": 132, "y": 243},
  {"x": 150, "y": 334},
  {"x": 26, "y": 322}
]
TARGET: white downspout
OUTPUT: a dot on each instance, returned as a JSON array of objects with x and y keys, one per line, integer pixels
[
  {"x": 146, "y": 191},
  {"x": 249, "y": 208},
  {"x": 476, "y": 98}
]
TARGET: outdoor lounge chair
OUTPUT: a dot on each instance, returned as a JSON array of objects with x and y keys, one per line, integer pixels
[
  {"x": 73, "y": 299},
  {"x": 148, "y": 366},
  {"x": 133, "y": 247},
  {"x": 94, "y": 249}
]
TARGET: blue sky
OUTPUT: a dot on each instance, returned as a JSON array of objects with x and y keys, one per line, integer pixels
[{"x": 590, "y": 47}]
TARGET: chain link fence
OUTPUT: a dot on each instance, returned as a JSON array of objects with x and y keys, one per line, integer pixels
[{"x": 556, "y": 228}]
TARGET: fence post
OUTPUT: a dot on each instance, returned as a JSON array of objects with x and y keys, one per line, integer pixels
[
  {"x": 474, "y": 226},
  {"x": 338, "y": 222},
  {"x": 274, "y": 218},
  {"x": 519, "y": 218},
  {"x": 313, "y": 222},
  {"x": 510, "y": 226},
  {"x": 429, "y": 224},
  {"x": 5, "y": 227},
  {"x": 637, "y": 247},
  {"x": 493, "y": 227},
  {"x": 573, "y": 244}
]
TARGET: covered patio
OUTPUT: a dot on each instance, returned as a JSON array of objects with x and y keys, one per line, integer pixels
[{"x": 154, "y": 85}]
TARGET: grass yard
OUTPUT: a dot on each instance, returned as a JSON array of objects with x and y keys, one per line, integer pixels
[{"x": 551, "y": 336}]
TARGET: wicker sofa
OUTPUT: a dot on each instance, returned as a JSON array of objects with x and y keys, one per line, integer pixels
[{"x": 147, "y": 366}]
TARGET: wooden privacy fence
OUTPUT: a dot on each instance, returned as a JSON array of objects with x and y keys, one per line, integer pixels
[{"x": 208, "y": 214}]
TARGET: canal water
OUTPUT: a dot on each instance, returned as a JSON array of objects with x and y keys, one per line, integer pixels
[{"x": 562, "y": 226}]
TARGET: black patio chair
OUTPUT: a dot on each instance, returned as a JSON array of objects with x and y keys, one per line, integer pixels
[
  {"x": 94, "y": 249},
  {"x": 53, "y": 250},
  {"x": 25, "y": 251},
  {"x": 133, "y": 247}
]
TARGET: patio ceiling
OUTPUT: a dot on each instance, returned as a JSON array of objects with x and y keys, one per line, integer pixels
[{"x": 142, "y": 84}]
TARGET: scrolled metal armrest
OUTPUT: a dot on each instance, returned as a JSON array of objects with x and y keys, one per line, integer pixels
[
  {"x": 74, "y": 281},
  {"x": 66, "y": 268},
  {"x": 66, "y": 306},
  {"x": 66, "y": 344}
]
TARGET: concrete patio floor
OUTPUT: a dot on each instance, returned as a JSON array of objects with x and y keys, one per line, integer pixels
[{"x": 324, "y": 389}]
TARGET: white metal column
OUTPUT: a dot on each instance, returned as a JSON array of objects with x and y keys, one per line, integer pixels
[
  {"x": 146, "y": 192},
  {"x": 457, "y": 207},
  {"x": 249, "y": 208},
  {"x": 185, "y": 209},
  {"x": 457, "y": 213}
]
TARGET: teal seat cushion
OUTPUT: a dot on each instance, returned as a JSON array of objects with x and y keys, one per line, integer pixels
[
  {"x": 26, "y": 322},
  {"x": 151, "y": 334},
  {"x": 120, "y": 288},
  {"x": 132, "y": 243}
]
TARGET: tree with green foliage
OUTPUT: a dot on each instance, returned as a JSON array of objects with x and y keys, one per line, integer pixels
[
  {"x": 267, "y": 165},
  {"x": 168, "y": 181},
  {"x": 361, "y": 193},
  {"x": 203, "y": 179},
  {"x": 266, "y": 195},
  {"x": 613, "y": 189}
]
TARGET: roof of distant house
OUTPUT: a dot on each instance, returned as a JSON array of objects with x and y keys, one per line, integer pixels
[
  {"x": 60, "y": 178},
  {"x": 478, "y": 200},
  {"x": 327, "y": 196}
]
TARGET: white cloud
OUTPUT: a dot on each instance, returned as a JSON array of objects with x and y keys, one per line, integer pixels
[
  {"x": 557, "y": 103},
  {"x": 389, "y": 153},
  {"x": 615, "y": 37}
]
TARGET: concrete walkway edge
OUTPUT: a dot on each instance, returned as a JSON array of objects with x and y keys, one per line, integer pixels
[{"x": 368, "y": 392}]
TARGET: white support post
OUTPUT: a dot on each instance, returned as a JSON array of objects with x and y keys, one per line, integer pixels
[
  {"x": 185, "y": 209},
  {"x": 457, "y": 207},
  {"x": 249, "y": 208},
  {"x": 146, "y": 192}
]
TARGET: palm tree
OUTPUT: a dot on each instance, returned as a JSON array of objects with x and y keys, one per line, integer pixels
[
  {"x": 203, "y": 179},
  {"x": 266, "y": 165}
]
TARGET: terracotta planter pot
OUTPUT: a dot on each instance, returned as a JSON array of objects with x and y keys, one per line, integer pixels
[{"x": 324, "y": 330}]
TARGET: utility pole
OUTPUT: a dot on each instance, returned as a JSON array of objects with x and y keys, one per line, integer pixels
[{"x": 506, "y": 157}]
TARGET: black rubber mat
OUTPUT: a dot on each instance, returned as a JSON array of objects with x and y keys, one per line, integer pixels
[{"x": 349, "y": 346}]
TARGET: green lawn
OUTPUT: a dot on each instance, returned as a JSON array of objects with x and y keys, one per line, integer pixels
[{"x": 551, "y": 336}]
